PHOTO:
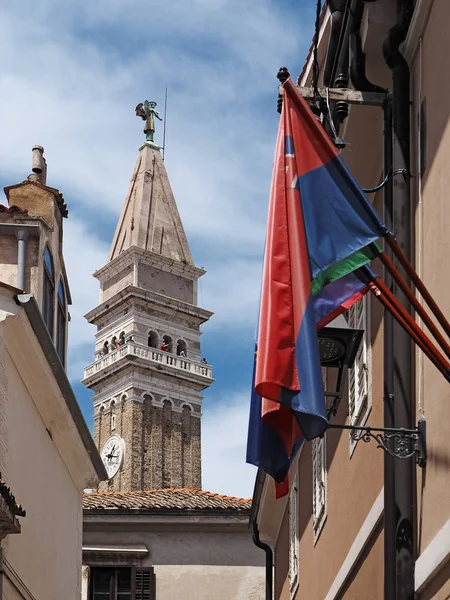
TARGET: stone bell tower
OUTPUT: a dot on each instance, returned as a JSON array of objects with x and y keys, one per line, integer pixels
[{"x": 148, "y": 373}]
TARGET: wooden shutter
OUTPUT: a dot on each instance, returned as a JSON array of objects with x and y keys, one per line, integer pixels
[
  {"x": 358, "y": 374},
  {"x": 319, "y": 480},
  {"x": 293, "y": 533},
  {"x": 143, "y": 585}
]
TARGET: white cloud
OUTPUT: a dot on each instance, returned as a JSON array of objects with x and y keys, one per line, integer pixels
[
  {"x": 231, "y": 290},
  {"x": 224, "y": 439},
  {"x": 83, "y": 254},
  {"x": 72, "y": 73}
]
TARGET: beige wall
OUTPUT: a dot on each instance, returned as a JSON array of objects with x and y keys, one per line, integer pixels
[
  {"x": 46, "y": 555},
  {"x": 432, "y": 219},
  {"x": 192, "y": 563},
  {"x": 354, "y": 483}
]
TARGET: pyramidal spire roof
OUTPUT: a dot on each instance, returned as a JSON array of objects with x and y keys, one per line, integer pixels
[{"x": 150, "y": 218}]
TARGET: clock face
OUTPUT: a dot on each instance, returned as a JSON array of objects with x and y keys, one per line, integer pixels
[{"x": 112, "y": 455}]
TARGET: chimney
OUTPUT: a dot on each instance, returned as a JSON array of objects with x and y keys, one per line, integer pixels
[{"x": 38, "y": 165}]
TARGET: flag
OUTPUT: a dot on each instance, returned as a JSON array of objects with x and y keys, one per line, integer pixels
[
  {"x": 321, "y": 230},
  {"x": 340, "y": 221},
  {"x": 288, "y": 402},
  {"x": 271, "y": 448},
  {"x": 338, "y": 296}
]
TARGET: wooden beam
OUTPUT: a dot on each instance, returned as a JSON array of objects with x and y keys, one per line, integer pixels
[{"x": 346, "y": 95}]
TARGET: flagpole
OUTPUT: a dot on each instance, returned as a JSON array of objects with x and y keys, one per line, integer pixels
[
  {"x": 415, "y": 302},
  {"x": 412, "y": 323},
  {"x": 399, "y": 317},
  {"x": 418, "y": 283}
]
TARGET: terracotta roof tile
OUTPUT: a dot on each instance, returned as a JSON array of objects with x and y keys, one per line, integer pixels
[
  {"x": 13, "y": 209},
  {"x": 165, "y": 499}
]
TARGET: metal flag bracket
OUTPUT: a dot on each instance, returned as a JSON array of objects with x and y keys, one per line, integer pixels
[{"x": 399, "y": 443}]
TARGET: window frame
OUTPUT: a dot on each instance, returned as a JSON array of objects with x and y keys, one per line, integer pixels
[
  {"x": 320, "y": 484},
  {"x": 135, "y": 593},
  {"x": 48, "y": 292},
  {"x": 294, "y": 536},
  {"x": 360, "y": 375},
  {"x": 61, "y": 322}
]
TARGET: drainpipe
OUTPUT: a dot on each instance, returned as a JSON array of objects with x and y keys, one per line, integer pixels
[
  {"x": 269, "y": 560},
  {"x": 22, "y": 236},
  {"x": 358, "y": 58},
  {"x": 402, "y": 351},
  {"x": 337, "y": 10},
  {"x": 345, "y": 35},
  {"x": 390, "y": 517}
]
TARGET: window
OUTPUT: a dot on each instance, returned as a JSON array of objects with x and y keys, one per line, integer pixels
[
  {"x": 181, "y": 348},
  {"x": 167, "y": 344},
  {"x": 319, "y": 460},
  {"x": 122, "y": 583},
  {"x": 48, "y": 296},
  {"x": 153, "y": 339},
  {"x": 358, "y": 379},
  {"x": 359, "y": 397},
  {"x": 61, "y": 323},
  {"x": 293, "y": 536}
]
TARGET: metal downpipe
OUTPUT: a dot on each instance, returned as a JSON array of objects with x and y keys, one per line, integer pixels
[
  {"x": 269, "y": 560},
  {"x": 21, "y": 257},
  {"x": 390, "y": 518},
  {"x": 402, "y": 358}
]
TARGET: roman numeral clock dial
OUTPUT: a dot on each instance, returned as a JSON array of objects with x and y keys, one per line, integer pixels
[{"x": 112, "y": 455}]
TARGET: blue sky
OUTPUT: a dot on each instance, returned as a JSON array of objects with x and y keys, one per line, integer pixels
[{"x": 71, "y": 75}]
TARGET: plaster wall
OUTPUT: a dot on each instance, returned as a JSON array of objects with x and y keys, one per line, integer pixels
[
  {"x": 432, "y": 226},
  {"x": 354, "y": 483},
  {"x": 196, "y": 565},
  {"x": 46, "y": 555},
  {"x": 439, "y": 586}
]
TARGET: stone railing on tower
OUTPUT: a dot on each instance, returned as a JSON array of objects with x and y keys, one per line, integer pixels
[{"x": 153, "y": 355}]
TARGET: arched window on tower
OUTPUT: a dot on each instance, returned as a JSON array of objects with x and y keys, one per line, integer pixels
[
  {"x": 153, "y": 339},
  {"x": 167, "y": 344},
  {"x": 61, "y": 319},
  {"x": 48, "y": 295},
  {"x": 181, "y": 348}
]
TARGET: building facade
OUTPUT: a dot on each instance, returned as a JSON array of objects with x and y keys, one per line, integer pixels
[
  {"x": 327, "y": 535},
  {"x": 47, "y": 454},
  {"x": 150, "y": 531}
]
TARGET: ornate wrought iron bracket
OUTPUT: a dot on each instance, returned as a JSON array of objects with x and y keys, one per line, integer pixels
[{"x": 399, "y": 443}]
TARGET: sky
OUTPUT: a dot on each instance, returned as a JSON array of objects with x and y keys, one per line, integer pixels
[{"x": 71, "y": 74}]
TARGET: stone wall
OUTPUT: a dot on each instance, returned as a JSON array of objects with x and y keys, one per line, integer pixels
[{"x": 162, "y": 444}]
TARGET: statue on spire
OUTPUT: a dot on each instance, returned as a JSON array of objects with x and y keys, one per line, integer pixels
[{"x": 146, "y": 110}]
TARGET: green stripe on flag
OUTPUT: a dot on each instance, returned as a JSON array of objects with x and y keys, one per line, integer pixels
[{"x": 344, "y": 267}]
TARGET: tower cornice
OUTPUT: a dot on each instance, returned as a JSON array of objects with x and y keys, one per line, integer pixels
[
  {"x": 131, "y": 293},
  {"x": 130, "y": 255}
]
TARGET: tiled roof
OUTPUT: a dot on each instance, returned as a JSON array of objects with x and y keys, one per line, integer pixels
[
  {"x": 165, "y": 499},
  {"x": 13, "y": 209}
]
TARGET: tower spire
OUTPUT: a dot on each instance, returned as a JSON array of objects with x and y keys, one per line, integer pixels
[{"x": 150, "y": 219}]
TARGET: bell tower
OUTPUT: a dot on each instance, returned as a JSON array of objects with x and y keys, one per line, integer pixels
[{"x": 148, "y": 373}]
